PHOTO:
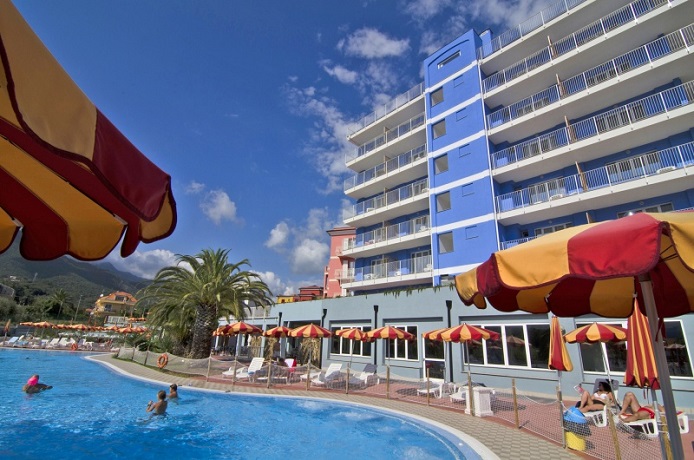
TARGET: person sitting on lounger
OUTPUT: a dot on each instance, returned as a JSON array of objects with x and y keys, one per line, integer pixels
[
  {"x": 633, "y": 411},
  {"x": 597, "y": 400},
  {"x": 33, "y": 385}
]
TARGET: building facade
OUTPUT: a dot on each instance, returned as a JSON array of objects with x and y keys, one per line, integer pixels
[{"x": 338, "y": 263}]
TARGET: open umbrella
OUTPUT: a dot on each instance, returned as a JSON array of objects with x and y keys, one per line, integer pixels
[
  {"x": 71, "y": 181},
  {"x": 434, "y": 335},
  {"x": 240, "y": 328},
  {"x": 598, "y": 268},
  {"x": 273, "y": 335},
  {"x": 465, "y": 333},
  {"x": 352, "y": 335},
  {"x": 310, "y": 331},
  {"x": 594, "y": 333}
]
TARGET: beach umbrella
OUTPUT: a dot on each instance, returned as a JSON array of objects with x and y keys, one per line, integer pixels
[
  {"x": 71, "y": 181},
  {"x": 434, "y": 335},
  {"x": 559, "y": 359},
  {"x": 353, "y": 334},
  {"x": 597, "y": 269},
  {"x": 595, "y": 333},
  {"x": 390, "y": 333},
  {"x": 463, "y": 334},
  {"x": 241, "y": 328},
  {"x": 311, "y": 331},
  {"x": 277, "y": 332},
  {"x": 641, "y": 368}
]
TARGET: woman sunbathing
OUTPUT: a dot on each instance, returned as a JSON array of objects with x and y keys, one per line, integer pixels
[
  {"x": 633, "y": 411},
  {"x": 597, "y": 400}
]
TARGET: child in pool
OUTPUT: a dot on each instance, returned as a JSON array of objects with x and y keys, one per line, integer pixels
[
  {"x": 33, "y": 385},
  {"x": 159, "y": 407}
]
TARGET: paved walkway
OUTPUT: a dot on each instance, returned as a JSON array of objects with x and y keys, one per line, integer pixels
[{"x": 508, "y": 443}]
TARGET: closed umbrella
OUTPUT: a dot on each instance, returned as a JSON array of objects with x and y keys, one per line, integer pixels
[
  {"x": 71, "y": 181},
  {"x": 598, "y": 269},
  {"x": 559, "y": 359},
  {"x": 641, "y": 367}
]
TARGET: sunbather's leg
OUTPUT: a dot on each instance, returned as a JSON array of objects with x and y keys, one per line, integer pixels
[
  {"x": 630, "y": 404},
  {"x": 586, "y": 400}
]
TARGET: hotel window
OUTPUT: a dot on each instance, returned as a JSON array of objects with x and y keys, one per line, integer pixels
[
  {"x": 464, "y": 150},
  {"x": 445, "y": 243},
  {"x": 461, "y": 114},
  {"x": 449, "y": 59},
  {"x": 552, "y": 228},
  {"x": 404, "y": 349},
  {"x": 443, "y": 201},
  {"x": 519, "y": 345},
  {"x": 458, "y": 81},
  {"x": 434, "y": 359},
  {"x": 437, "y": 97},
  {"x": 665, "y": 207},
  {"x": 472, "y": 232},
  {"x": 468, "y": 189},
  {"x": 438, "y": 129},
  {"x": 441, "y": 164},
  {"x": 340, "y": 346}
]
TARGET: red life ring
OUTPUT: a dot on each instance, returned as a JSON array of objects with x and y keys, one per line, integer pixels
[
  {"x": 73, "y": 347},
  {"x": 162, "y": 361}
]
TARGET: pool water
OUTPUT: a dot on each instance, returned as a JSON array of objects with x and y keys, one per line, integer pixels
[{"x": 93, "y": 411}]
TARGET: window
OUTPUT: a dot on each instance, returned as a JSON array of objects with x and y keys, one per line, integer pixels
[
  {"x": 449, "y": 59},
  {"x": 464, "y": 150},
  {"x": 437, "y": 97},
  {"x": 461, "y": 114},
  {"x": 458, "y": 81},
  {"x": 520, "y": 345},
  {"x": 438, "y": 129},
  {"x": 445, "y": 243},
  {"x": 443, "y": 201},
  {"x": 441, "y": 164},
  {"x": 665, "y": 207},
  {"x": 340, "y": 346},
  {"x": 468, "y": 189},
  {"x": 403, "y": 349},
  {"x": 552, "y": 228}
]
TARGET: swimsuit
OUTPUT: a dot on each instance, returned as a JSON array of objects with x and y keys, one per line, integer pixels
[{"x": 647, "y": 410}]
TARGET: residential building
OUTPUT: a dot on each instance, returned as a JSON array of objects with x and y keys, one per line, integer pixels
[
  {"x": 338, "y": 264},
  {"x": 114, "y": 304}
]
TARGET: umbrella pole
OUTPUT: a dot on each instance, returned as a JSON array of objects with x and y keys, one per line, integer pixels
[
  {"x": 561, "y": 410},
  {"x": 663, "y": 375}
]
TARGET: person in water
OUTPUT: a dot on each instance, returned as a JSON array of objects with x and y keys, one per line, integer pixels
[
  {"x": 159, "y": 407},
  {"x": 173, "y": 391},
  {"x": 33, "y": 385}
]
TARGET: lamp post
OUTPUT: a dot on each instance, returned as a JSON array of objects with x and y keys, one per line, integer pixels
[
  {"x": 449, "y": 305},
  {"x": 74, "y": 317},
  {"x": 375, "y": 327}
]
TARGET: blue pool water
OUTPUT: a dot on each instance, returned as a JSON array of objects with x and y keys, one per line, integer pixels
[{"x": 93, "y": 412}]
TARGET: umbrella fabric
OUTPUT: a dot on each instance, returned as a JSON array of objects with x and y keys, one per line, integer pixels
[
  {"x": 241, "y": 328},
  {"x": 465, "y": 333},
  {"x": 592, "y": 268},
  {"x": 641, "y": 370},
  {"x": 559, "y": 359},
  {"x": 310, "y": 331},
  {"x": 70, "y": 180},
  {"x": 596, "y": 332},
  {"x": 390, "y": 332},
  {"x": 353, "y": 334},
  {"x": 434, "y": 335},
  {"x": 277, "y": 332},
  {"x": 44, "y": 325}
]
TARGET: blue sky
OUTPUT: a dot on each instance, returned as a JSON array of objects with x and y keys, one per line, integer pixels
[{"x": 247, "y": 104}]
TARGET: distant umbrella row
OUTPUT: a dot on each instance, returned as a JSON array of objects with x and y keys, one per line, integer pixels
[{"x": 87, "y": 328}]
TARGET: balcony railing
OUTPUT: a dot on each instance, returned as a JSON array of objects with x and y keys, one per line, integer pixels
[
  {"x": 395, "y": 269},
  {"x": 391, "y": 197},
  {"x": 392, "y": 105},
  {"x": 651, "y": 164},
  {"x": 618, "y": 18},
  {"x": 633, "y": 112},
  {"x": 648, "y": 53},
  {"x": 389, "y": 166},
  {"x": 512, "y": 243},
  {"x": 524, "y": 28},
  {"x": 387, "y": 137},
  {"x": 390, "y": 233}
]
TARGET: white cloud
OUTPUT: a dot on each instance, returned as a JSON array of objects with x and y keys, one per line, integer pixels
[
  {"x": 194, "y": 188},
  {"x": 310, "y": 256},
  {"x": 426, "y": 9},
  {"x": 217, "y": 206},
  {"x": 372, "y": 44},
  {"x": 273, "y": 281},
  {"x": 144, "y": 264},
  {"x": 342, "y": 74},
  {"x": 278, "y": 236}
]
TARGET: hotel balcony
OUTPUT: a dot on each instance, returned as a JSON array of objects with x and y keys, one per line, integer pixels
[
  {"x": 636, "y": 22},
  {"x": 404, "y": 200},
  {"x": 654, "y": 117},
  {"x": 394, "y": 273},
  {"x": 406, "y": 136},
  {"x": 410, "y": 234},
  {"x": 638, "y": 178},
  {"x": 405, "y": 167},
  {"x": 651, "y": 65}
]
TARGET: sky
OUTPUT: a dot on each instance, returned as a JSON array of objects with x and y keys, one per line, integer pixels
[{"x": 247, "y": 106}]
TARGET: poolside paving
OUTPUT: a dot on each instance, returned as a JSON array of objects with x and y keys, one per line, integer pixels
[{"x": 507, "y": 442}]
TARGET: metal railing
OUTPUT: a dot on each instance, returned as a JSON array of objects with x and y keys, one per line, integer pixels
[
  {"x": 512, "y": 243},
  {"x": 392, "y": 165},
  {"x": 648, "y": 53},
  {"x": 389, "y": 107},
  {"x": 602, "y": 26},
  {"x": 387, "y": 137},
  {"x": 394, "y": 269},
  {"x": 651, "y": 164},
  {"x": 678, "y": 96},
  {"x": 388, "y": 233},
  {"x": 391, "y": 197}
]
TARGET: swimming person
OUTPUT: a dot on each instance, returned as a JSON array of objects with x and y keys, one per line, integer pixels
[
  {"x": 159, "y": 407},
  {"x": 33, "y": 385},
  {"x": 173, "y": 391}
]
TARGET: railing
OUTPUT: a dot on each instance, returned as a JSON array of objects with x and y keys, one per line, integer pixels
[
  {"x": 624, "y": 15},
  {"x": 651, "y": 164},
  {"x": 648, "y": 53},
  {"x": 524, "y": 28},
  {"x": 392, "y": 105},
  {"x": 389, "y": 233},
  {"x": 394, "y": 269},
  {"x": 650, "y": 106},
  {"x": 387, "y": 137},
  {"x": 389, "y": 166},
  {"x": 512, "y": 243},
  {"x": 392, "y": 197}
]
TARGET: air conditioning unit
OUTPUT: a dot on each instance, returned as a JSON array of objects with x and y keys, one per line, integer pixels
[
  {"x": 556, "y": 197},
  {"x": 666, "y": 169}
]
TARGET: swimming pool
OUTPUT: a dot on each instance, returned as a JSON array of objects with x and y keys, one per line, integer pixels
[{"x": 94, "y": 412}]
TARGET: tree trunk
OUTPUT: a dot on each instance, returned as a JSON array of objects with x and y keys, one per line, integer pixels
[{"x": 205, "y": 324}]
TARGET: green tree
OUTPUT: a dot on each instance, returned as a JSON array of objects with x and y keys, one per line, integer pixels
[
  {"x": 197, "y": 291},
  {"x": 61, "y": 298}
]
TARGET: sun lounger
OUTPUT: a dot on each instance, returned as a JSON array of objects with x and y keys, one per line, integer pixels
[
  {"x": 435, "y": 387},
  {"x": 10, "y": 342},
  {"x": 247, "y": 373},
  {"x": 53, "y": 343},
  {"x": 367, "y": 377},
  {"x": 649, "y": 427},
  {"x": 332, "y": 374}
]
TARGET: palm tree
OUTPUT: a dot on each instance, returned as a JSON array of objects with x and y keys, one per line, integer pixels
[
  {"x": 200, "y": 289},
  {"x": 60, "y": 297}
]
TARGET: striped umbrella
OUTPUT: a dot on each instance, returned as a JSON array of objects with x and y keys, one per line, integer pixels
[
  {"x": 596, "y": 332},
  {"x": 61, "y": 154},
  {"x": 310, "y": 331},
  {"x": 598, "y": 269},
  {"x": 241, "y": 328},
  {"x": 391, "y": 333},
  {"x": 641, "y": 369},
  {"x": 463, "y": 334},
  {"x": 434, "y": 335},
  {"x": 559, "y": 359},
  {"x": 277, "y": 332},
  {"x": 353, "y": 334}
]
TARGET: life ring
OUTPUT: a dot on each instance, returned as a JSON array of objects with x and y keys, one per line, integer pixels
[
  {"x": 73, "y": 347},
  {"x": 162, "y": 361}
]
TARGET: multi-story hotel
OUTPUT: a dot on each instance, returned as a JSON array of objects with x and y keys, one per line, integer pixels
[{"x": 580, "y": 114}]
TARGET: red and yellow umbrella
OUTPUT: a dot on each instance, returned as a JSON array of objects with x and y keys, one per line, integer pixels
[
  {"x": 312, "y": 331},
  {"x": 641, "y": 369},
  {"x": 241, "y": 328},
  {"x": 71, "y": 181},
  {"x": 596, "y": 332},
  {"x": 465, "y": 332},
  {"x": 435, "y": 335},
  {"x": 354, "y": 334},
  {"x": 559, "y": 359},
  {"x": 391, "y": 333},
  {"x": 277, "y": 332}
]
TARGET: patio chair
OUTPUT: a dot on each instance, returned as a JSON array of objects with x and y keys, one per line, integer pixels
[
  {"x": 367, "y": 377},
  {"x": 332, "y": 374},
  {"x": 53, "y": 343},
  {"x": 247, "y": 373},
  {"x": 649, "y": 427},
  {"x": 11, "y": 341},
  {"x": 599, "y": 417},
  {"x": 435, "y": 388}
]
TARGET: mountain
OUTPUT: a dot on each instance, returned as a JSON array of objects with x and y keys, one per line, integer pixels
[{"x": 89, "y": 279}]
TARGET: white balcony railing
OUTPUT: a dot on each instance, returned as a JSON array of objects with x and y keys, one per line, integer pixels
[
  {"x": 392, "y": 165},
  {"x": 389, "y": 233},
  {"x": 512, "y": 243},
  {"x": 641, "y": 56},
  {"x": 394, "y": 270},
  {"x": 392, "y": 105},
  {"x": 650, "y": 106},
  {"x": 651, "y": 164},
  {"x": 391, "y": 197},
  {"x": 618, "y": 18},
  {"x": 387, "y": 137}
]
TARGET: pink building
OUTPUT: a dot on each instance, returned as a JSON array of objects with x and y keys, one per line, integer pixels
[{"x": 338, "y": 266}]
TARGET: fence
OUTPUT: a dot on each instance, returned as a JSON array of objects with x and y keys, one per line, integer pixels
[{"x": 539, "y": 414}]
